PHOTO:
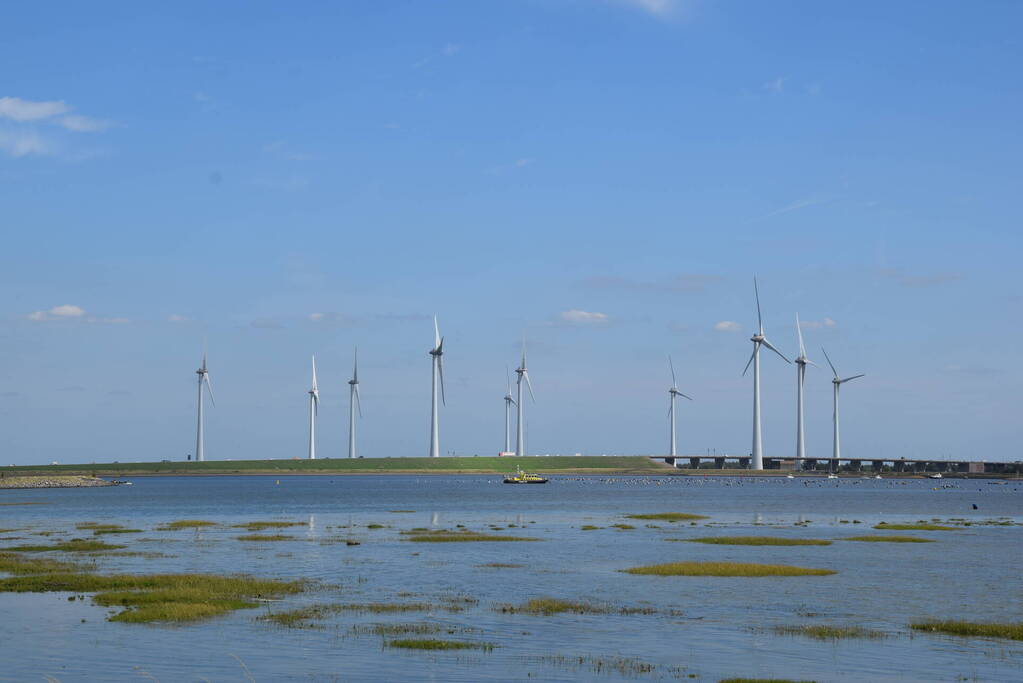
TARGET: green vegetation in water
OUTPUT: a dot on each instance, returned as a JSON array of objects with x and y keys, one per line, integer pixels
[
  {"x": 915, "y": 527},
  {"x": 754, "y": 540},
  {"x": 823, "y": 632},
  {"x": 159, "y": 597},
  {"x": 413, "y": 629},
  {"x": 725, "y": 569},
  {"x": 301, "y": 617},
  {"x": 588, "y": 527},
  {"x": 889, "y": 539},
  {"x": 623, "y": 527},
  {"x": 550, "y": 606},
  {"x": 185, "y": 524},
  {"x": 762, "y": 680},
  {"x": 400, "y": 512},
  {"x": 98, "y": 528},
  {"x": 435, "y": 644},
  {"x": 971, "y": 628},
  {"x": 385, "y": 607},
  {"x": 668, "y": 516},
  {"x": 75, "y": 545},
  {"x": 265, "y": 537},
  {"x": 374, "y": 526},
  {"x": 500, "y": 565},
  {"x": 27, "y": 502},
  {"x": 13, "y": 563},
  {"x": 263, "y": 526},
  {"x": 461, "y": 536}
]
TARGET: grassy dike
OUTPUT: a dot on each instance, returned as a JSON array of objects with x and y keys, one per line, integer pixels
[{"x": 467, "y": 465}]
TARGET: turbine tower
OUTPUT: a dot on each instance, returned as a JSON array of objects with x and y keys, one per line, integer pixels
[
  {"x": 673, "y": 393},
  {"x": 204, "y": 378},
  {"x": 520, "y": 441},
  {"x": 758, "y": 340},
  {"x": 508, "y": 403},
  {"x": 353, "y": 401},
  {"x": 438, "y": 378},
  {"x": 801, "y": 362},
  {"x": 836, "y": 383},
  {"x": 314, "y": 409}
]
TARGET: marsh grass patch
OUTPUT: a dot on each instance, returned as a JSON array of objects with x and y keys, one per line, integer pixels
[
  {"x": 737, "y": 569},
  {"x": 438, "y": 644},
  {"x": 1010, "y": 631},
  {"x": 74, "y": 545},
  {"x": 265, "y": 537},
  {"x": 263, "y": 526},
  {"x": 547, "y": 606},
  {"x": 889, "y": 539},
  {"x": 668, "y": 516},
  {"x": 500, "y": 565},
  {"x": 753, "y": 540},
  {"x": 920, "y": 526},
  {"x": 460, "y": 536},
  {"x": 185, "y": 524},
  {"x": 17, "y": 564},
  {"x": 826, "y": 632}
]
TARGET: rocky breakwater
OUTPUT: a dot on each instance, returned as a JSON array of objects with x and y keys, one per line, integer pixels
[{"x": 55, "y": 482}]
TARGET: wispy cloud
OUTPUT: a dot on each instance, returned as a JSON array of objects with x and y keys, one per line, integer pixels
[
  {"x": 175, "y": 318},
  {"x": 578, "y": 317},
  {"x": 683, "y": 282},
  {"x": 797, "y": 205},
  {"x": 20, "y": 138},
  {"x": 83, "y": 124},
  {"x": 727, "y": 326},
  {"x": 776, "y": 85},
  {"x": 20, "y": 110},
  {"x": 521, "y": 162},
  {"x": 72, "y": 312},
  {"x": 21, "y": 143},
  {"x": 817, "y": 324}
]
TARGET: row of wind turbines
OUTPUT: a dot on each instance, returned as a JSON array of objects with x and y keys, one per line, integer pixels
[{"x": 438, "y": 398}]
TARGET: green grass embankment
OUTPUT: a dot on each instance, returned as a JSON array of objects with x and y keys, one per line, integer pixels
[{"x": 459, "y": 465}]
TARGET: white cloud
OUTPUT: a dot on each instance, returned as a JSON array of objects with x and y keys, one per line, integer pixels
[
  {"x": 817, "y": 324},
  {"x": 57, "y": 313},
  {"x": 776, "y": 86},
  {"x": 82, "y": 124},
  {"x": 451, "y": 49},
  {"x": 21, "y": 110},
  {"x": 583, "y": 317},
  {"x": 316, "y": 317},
  {"x": 727, "y": 326},
  {"x": 24, "y": 143},
  {"x": 175, "y": 318}
]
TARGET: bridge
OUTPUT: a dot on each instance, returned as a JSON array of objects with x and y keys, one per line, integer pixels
[{"x": 742, "y": 462}]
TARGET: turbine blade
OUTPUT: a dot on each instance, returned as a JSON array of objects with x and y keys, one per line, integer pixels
[
  {"x": 529, "y": 385},
  {"x": 440, "y": 371},
  {"x": 799, "y": 331},
  {"x": 436, "y": 333},
  {"x": 209, "y": 388},
  {"x": 684, "y": 396},
  {"x": 749, "y": 361},
  {"x": 849, "y": 379},
  {"x": 507, "y": 377},
  {"x": 355, "y": 370},
  {"x": 771, "y": 346},
  {"x": 830, "y": 363},
  {"x": 314, "y": 373},
  {"x": 358, "y": 400},
  {"x": 672, "y": 366},
  {"x": 316, "y": 404},
  {"x": 760, "y": 318}
]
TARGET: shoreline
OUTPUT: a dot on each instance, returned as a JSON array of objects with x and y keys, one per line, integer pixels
[{"x": 20, "y": 482}]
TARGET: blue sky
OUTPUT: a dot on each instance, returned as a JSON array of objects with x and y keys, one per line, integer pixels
[{"x": 602, "y": 177}]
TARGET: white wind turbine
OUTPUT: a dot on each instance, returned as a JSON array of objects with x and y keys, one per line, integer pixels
[
  {"x": 353, "y": 401},
  {"x": 758, "y": 340},
  {"x": 204, "y": 378},
  {"x": 673, "y": 393},
  {"x": 520, "y": 441},
  {"x": 314, "y": 409},
  {"x": 801, "y": 362},
  {"x": 436, "y": 353},
  {"x": 508, "y": 403},
  {"x": 836, "y": 383}
]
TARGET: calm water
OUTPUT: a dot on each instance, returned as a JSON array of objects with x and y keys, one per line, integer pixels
[{"x": 706, "y": 627}]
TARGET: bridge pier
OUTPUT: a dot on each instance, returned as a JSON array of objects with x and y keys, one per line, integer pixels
[
  {"x": 694, "y": 463},
  {"x": 719, "y": 463},
  {"x": 877, "y": 465},
  {"x": 744, "y": 463}
]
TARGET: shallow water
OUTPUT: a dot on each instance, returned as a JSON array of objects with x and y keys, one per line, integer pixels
[{"x": 707, "y": 628}]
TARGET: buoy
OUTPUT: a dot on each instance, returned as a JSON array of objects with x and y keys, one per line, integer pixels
[{"x": 278, "y": 481}]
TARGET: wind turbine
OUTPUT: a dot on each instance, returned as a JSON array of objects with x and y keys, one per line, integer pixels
[
  {"x": 801, "y": 362},
  {"x": 836, "y": 383},
  {"x": 438, "y": 378},
  {"x": 314, "y": 409},
  {"x": 508, "y": 403},
  {"x": 353, "y": 401},
  {"x": 520, "y": 442},
  {"x": 758, "y": 340},
  {"x": 204, "y": 378},
  {"x": 673, "y": 393}
]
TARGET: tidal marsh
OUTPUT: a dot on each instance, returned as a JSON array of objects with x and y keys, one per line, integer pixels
[
  {"x": 889, "y": 539},
  {"x": 75, "y": 545},
  {"x": 915, "y": 527},
  {"x": 753, "y": 540},
  {"x": 824, "y": 632},
  {"x": 445, "y": 536},
  {"x": 185, "y": 524},
  {"x": 435, "y": 644},
  {"x": 668, "y": 516},
  {"x": 265, "y": 537},
  {"x": 549, "y": 606},
  {"x": 725, "y": 569},
  {"x": 1010, "y": 631},
  {"x": 263, "y": 526}
]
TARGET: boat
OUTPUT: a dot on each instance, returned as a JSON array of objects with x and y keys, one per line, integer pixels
[
  {"x": 832, "y": 476},
  {"x": 789, "y": 476},
  {"x": 521, "y": 477},
  {"x": 936, "y": 475},
  {"x": 877, "y": 476}
]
